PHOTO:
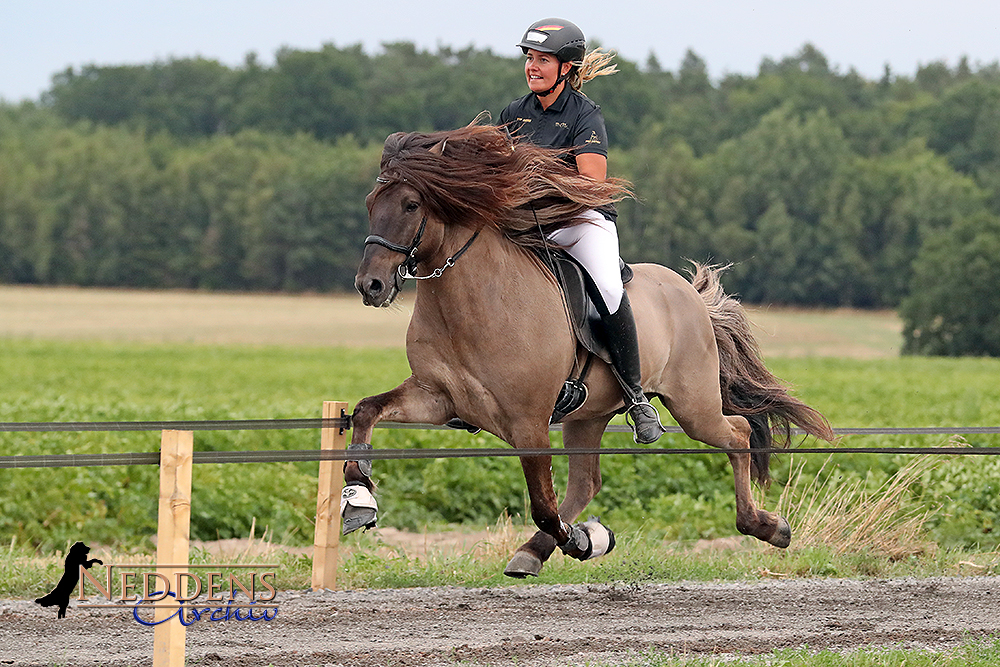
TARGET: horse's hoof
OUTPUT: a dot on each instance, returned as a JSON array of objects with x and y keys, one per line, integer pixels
[
  {"x": 358, "y": 508},
  {"x": 522, "y": 565},
  {"x": 782, "y": 535}
]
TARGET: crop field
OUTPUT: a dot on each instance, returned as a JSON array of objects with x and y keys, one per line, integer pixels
[{"x": 109, "y": 355}]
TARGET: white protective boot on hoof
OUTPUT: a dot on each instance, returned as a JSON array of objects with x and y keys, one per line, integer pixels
[
  {"x": 358, "y": 508},
  {"x": 591, "y": 539}
]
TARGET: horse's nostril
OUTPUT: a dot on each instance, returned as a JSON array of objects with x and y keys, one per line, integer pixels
[{"x": 375, "y": 287}]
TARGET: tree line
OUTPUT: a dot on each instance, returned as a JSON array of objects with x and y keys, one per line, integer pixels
[{"x": 821, "y": 187}]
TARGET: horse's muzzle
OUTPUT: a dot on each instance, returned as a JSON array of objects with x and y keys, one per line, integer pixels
[{"x": 376, "y": 292}]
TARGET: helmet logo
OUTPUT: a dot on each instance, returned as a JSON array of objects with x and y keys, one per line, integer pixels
[{"x": 537, "y": 36}]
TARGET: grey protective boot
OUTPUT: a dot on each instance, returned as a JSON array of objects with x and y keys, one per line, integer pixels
[{"x": 623, "y": 344}]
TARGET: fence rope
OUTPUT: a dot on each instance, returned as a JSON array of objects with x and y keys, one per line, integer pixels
[
  {"x": 345, "y": 423},
  {"x": 202, "y": 425},
  {"x": 307, "y": 455}
]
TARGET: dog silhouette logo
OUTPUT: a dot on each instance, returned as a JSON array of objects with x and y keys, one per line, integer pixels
[{"x": 61, "y": 594}]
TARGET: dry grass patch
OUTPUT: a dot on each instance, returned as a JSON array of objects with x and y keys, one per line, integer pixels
[
  {"x": 69, "y": 313},
  {"x": 174, "y": 316},
  {"x": 848, "y": 517}
]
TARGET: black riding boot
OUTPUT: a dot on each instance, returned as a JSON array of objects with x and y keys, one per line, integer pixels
[{"x": 623, "y": 344}]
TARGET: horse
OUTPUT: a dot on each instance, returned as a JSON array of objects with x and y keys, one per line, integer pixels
[{"x": 489, "y": 343}]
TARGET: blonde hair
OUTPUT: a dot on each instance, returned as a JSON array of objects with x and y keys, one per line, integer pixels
[{"x": 594, "y": 64}]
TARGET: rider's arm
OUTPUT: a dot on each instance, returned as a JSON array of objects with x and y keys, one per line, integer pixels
[{"x": 593, "y": 165}]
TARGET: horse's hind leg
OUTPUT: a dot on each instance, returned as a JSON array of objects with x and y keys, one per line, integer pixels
[
  {"x": 730, "y": 433},
  {"x": 584, "y": 481},
  {"x": 766, "y": 526}
]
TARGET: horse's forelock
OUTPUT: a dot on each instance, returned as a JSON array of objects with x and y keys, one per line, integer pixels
[{"x": 451, "y": 180}]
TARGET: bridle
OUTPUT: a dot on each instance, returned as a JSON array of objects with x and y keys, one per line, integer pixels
[{"x": 408, "y": 268}]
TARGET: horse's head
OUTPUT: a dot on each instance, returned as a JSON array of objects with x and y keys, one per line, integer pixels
[
  {"x": 397, "y": 222},
  {"x": 472, "y": 178}
]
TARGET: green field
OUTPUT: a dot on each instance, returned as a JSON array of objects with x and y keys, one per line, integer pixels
[{"x": 130, "y": 356}]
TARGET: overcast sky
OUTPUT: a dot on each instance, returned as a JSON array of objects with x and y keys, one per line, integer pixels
[{"x": 41, "y": 37}]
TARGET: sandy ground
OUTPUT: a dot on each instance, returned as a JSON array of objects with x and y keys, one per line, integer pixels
[{"x": 540, "y": 625}]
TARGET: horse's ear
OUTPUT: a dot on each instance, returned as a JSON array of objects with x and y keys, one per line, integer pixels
[{"x": 438, "y": 148}]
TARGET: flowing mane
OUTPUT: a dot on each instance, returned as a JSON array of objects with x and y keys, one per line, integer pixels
[{"x": 477, "y": 176}]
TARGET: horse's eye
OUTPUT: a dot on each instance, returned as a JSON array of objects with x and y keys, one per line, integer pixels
[{"x": 412, "y": 207}]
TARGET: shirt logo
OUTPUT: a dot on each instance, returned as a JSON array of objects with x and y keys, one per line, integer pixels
[
  {"x": 562, "y": 125},
  {"x": 594, "y": 139}
]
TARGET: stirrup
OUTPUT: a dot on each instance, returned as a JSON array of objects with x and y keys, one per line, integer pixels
[
  {"x": 646, "y": 425},
  {"x": 462, "y": 425}
]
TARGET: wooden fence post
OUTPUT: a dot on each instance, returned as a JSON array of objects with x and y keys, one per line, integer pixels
[
  {"x": 173, "y": 534},
  {"x": 326, "y": 544}
]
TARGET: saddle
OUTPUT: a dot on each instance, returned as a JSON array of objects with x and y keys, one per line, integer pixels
[
  {"x": 579, "y": 295},
  {"x": 578, "y": 290}
]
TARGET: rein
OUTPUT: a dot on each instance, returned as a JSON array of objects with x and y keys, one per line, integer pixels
[{"x": 407, "y": 269}]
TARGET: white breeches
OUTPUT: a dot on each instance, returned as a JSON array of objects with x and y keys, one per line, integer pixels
[{"x": 594, "y": 243}]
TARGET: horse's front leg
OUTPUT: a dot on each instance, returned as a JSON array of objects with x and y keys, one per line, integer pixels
[
  {"x": 582, "y": 485},
  {"x": 529, "y": 557},
  {"x": 580, "y": 541},
  {"x": 408, "y": 403}
]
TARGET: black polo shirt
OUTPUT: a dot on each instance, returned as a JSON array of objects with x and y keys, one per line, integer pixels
[{"x": 573, "y": 121}]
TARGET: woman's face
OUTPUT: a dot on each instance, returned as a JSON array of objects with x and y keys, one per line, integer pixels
[{"x": 542, "y": 70}]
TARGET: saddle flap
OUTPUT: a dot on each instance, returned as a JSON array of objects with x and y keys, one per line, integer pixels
[{"x": 577, "y": 288}]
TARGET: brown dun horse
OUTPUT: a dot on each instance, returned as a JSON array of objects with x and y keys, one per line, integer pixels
[{"x": 489, "y": 342}]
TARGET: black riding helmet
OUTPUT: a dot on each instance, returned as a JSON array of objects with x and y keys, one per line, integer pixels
[
  {"x": 555, "y": 36},
  {"x": 559, "y": 37}
]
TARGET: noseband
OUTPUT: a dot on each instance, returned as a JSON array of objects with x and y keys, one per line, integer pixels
[
  {"x": 409, "y": 265},
  {"x": 408, "y": 268}
]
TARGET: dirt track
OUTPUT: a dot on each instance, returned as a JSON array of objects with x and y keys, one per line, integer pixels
[{"x": 530, "y": 625}]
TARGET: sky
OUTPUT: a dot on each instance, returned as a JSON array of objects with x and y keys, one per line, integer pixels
[{"x": 39, "y": 38}]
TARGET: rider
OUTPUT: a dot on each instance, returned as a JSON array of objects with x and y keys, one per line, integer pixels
[{"x": 555, "y": 114}]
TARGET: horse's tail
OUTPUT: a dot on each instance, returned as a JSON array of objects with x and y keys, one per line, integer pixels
[{"x": 748, "y": 388}]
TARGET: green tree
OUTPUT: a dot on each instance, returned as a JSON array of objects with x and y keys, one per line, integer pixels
[
  {"x": 771, "y": 189},
  {"x": 897, "y": 201},
  {"x": 953, "y": 308},
  {"x": 185, "y": 97}
]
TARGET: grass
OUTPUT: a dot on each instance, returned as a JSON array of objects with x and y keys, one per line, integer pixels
[
  {"x": 886, "y": 520},
  {"x": 971, "y": 653},
  {"x": 852, "y": 531},
  {"x": 95, "y": 355},
  {"x": 638, "y": 560},
  {"x": 886, "y": 543},
  {"x": 69, "y": 313}
]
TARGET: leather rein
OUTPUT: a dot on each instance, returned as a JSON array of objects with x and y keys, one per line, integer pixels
[{"x": 408, "y": 268}]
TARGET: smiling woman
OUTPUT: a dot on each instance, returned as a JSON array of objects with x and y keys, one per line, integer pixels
[{"x": 557, "y": 115}]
